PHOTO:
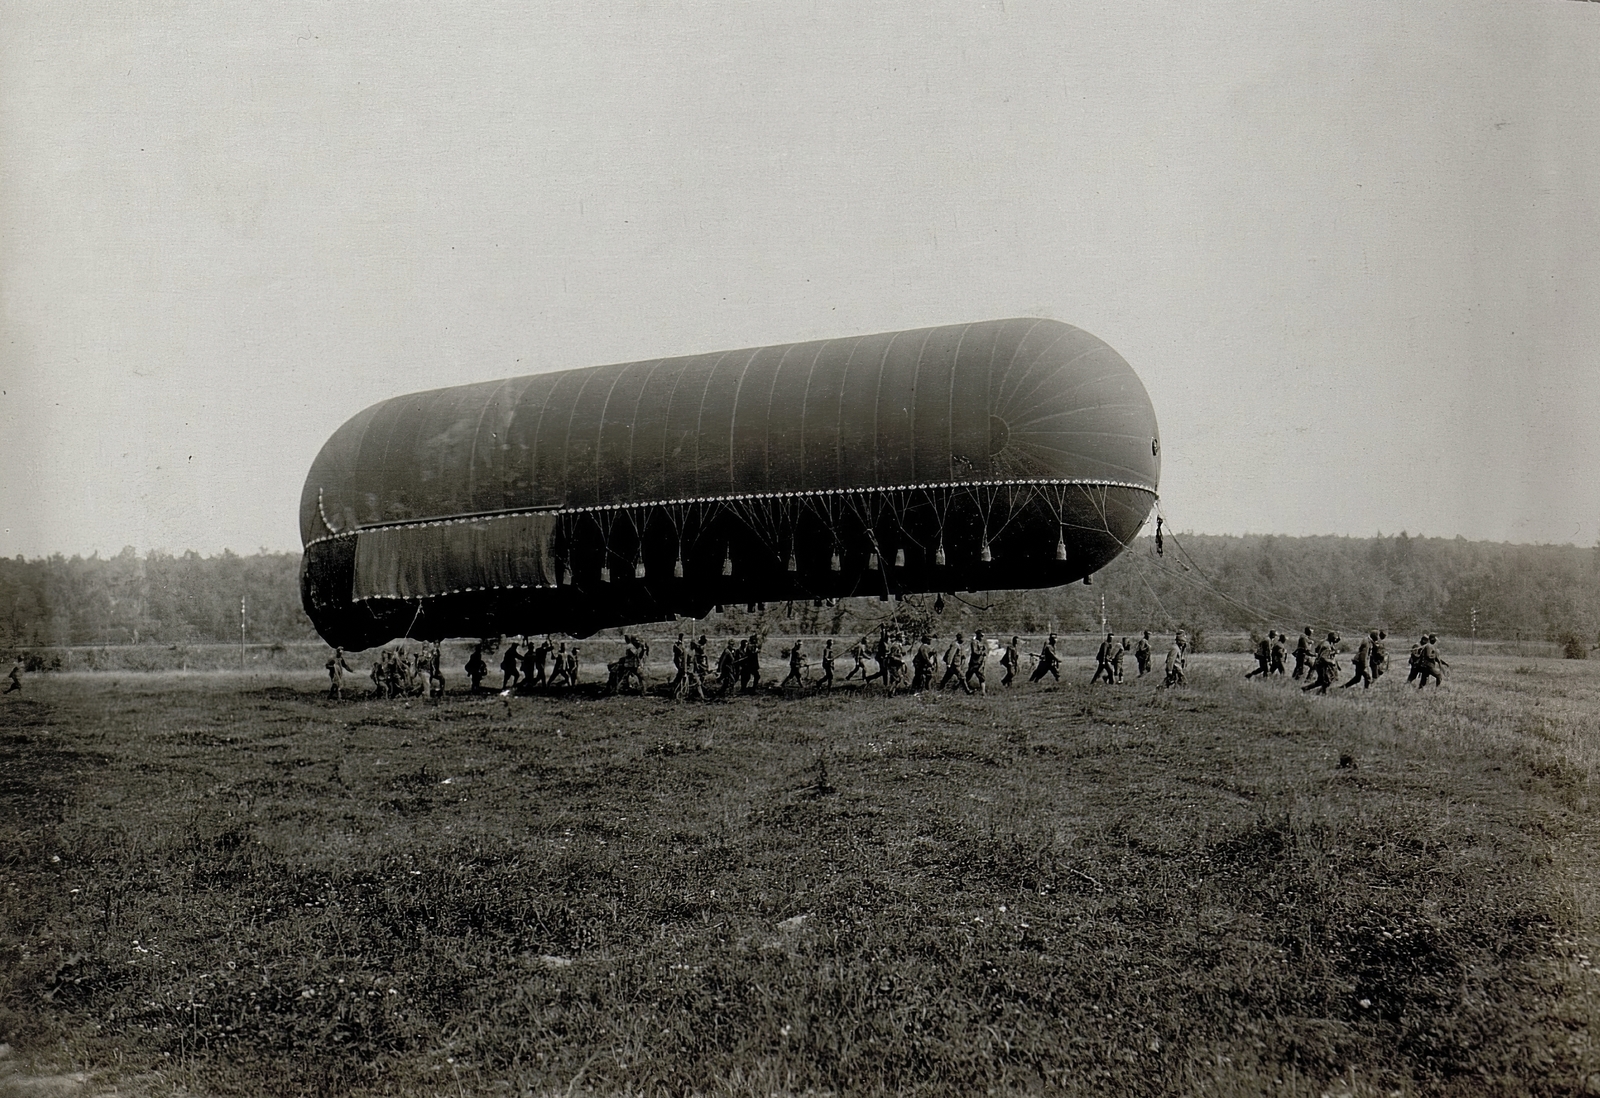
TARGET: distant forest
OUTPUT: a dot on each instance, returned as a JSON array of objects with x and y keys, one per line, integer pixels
[{"x": 1224, "y": 584}]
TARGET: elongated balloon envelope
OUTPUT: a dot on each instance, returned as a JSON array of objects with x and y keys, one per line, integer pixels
[{"x": 1002, "y": 454}]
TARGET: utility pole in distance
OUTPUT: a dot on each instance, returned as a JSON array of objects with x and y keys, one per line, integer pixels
[{"x": 241, "y": 632}]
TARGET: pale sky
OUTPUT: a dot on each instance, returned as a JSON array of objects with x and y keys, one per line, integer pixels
[{"x": 1352, "y": 249}]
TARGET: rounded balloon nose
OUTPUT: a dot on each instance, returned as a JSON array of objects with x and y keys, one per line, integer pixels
[{"x": 999, "y": 435}]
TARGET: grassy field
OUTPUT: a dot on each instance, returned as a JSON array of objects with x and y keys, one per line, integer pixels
[{"x": 221, "y": 884}]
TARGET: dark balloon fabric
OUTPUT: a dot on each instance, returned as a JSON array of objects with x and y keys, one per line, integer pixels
[
  {"x": 1003, "y": 454},
  {"x": 1007, "y": 399},
  {"x": 505, "y": 552}
]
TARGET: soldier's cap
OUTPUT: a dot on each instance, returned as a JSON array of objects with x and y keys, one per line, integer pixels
[
  {"x": 1373, "y": 634},
  {"x": 1433, "y": 638},
  {"x": 1334, "y": 637},
  {"x": 1308, "y": 629}
]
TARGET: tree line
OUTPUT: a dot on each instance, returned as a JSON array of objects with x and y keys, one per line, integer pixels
[
  {"x": 1403, "y": 584},
  {"x": 1228, "y": 584},
  {"x": 155, "y": 598}
]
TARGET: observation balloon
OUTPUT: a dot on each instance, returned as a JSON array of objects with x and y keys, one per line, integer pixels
[{"x": 1003, "y": 454}]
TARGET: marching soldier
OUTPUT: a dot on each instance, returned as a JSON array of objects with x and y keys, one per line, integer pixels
[
  {"x": 1102, "y": 660},
  {"x": 728, "y": 668},
  {"x": 1263, "y": 655},
  {"x": 1429, "y": 661},
  {"x": 692, "y": 679},
  {"x": 1324, "y": 664},
  {"x": 435, "y": 671},
  {"x": 1011, "y": 660},
  {"x": 1049, "y": 662},
  {"x": 16, "y": 676},
  {"x": 1117, "y": 653},
  {"x": 393, "y": 673},
  {"x": 1378, "y": 659},
  {"x": 622, "y": 672},
  {"x": 1177, "y": 659},
  {"x": 509, "y": 664},
  {"x": 977, "y": 660},
  {"x": 895, "y": 677},
  {"x": 923, "y": 663},
  {"x": 697, "y": 674},
  {"x": 1141, "y": 653},
  {"x": 1277, "y": 653},
  {"x": 858, "y": 652},
  {"x": 880, "y": 656},
  {"x": 797, "y": 666},
  {"x": 1302, "y": 655},
  {"x": 335, "y": 665},
  {"x": 526, "y": 685},
  {"x": 750, "y": 668},
  {"x": 1361, "y": 663},
  {"x": 541, "y": 654},
  {"x": 642, "y": 646},
  {"x": 476, "y": 669},
  {"x": 680, "y": 666},
  {"x": 954, "y": 654},
  {"x": 826, "y": 682}
]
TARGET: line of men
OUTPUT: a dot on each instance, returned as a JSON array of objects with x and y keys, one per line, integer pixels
[
  {"x": 396, "y": 673},
  {"x": 1108, "y": 660},
  {"x": 966, "y": 662},
  {"x": 401, "y": 673},
  {"x": 546, "y": 664},
  {"x": 738, "y": 666},
  {"x": 1317, "y": 661}
]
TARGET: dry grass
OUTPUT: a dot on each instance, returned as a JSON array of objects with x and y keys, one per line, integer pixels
[{"x": 235, "y": 886}]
